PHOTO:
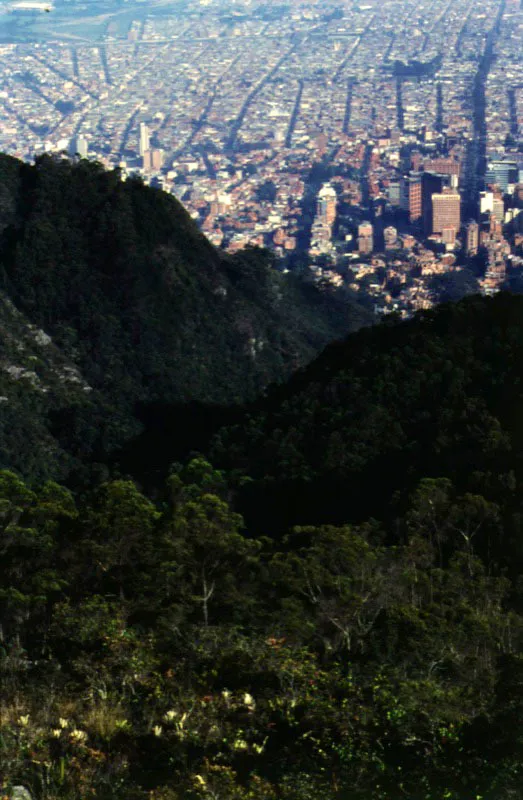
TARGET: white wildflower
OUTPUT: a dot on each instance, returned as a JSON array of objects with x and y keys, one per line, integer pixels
[
  {"x": 24, "y": 720},
  {"x": 63, "y": 722},
  {"x": 248, "y": 700},
  {"x": 240, "y": 744},
  {"x": 170, "y": 715},
  {"x": 157, "y": 730},
  {"x": 78, "y": 736},
  {"x": 56, "y": 732}
]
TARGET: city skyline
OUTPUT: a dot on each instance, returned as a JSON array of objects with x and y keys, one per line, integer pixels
[{"x": 252, "y": 111}]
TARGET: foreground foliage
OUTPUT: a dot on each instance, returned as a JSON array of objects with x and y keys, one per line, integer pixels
[
  {"x": 333, "y": 610},
  {"x": 162, "y": 652}
]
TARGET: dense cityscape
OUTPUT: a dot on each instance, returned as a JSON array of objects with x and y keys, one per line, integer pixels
[{"x": 374, "y": 146}]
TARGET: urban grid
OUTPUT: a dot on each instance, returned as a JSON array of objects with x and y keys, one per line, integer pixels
[{"x": 374, "y": 146}]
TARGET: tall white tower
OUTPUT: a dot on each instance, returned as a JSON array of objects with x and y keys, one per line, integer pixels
[
  {"x": 144, "y": 138},
  {"x": 78, "y": 147}
]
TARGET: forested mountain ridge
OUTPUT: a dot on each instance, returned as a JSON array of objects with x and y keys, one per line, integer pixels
[
  {"x": 355, "y": 633},
  {"x": 358, "y": 427},
  {"x": 136, "y": 298}
]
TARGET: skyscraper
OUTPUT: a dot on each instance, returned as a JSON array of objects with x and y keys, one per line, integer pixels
[
  {"x": 498, "y": 208},
  {"x": 472, "y": 238},
  {"x": 365, "y": 238},
  {"x": 412, "y": 196},
  {"x": 144, "y": 138},
  {"x": 431, "y": 184},
  {"x": 78, "y": 147},
  {"x": 390, "y": 235},
  {"x": 153, "y": 160},
  {"x": 446, "y": 211},
  {"x": 502, "y": 173},
  {"x": 326, "y": 204}
]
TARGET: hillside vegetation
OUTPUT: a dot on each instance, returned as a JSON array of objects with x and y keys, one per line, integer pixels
[
  {"x": 351, "y": 434},
  {"x": 138, "y": 302},
  {"x": 332, "y": 610}
]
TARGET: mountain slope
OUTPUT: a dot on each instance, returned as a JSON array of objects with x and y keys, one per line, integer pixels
[
  {"x": 163, "y": 650},
  {"x": 440, "y": 395},
  {"x": 134, "y": 295},
  {"x": 36, "y": 380}
]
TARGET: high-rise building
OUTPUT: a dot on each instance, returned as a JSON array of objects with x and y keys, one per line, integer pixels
[
  {"x": 412, "y": 196},
  {"x": 496, "y": 227},
  {"x": 365, "y": 238},
  {"x": 443, "y": 166},
  {"x": 79, "y": 147},
  {"x": 446, "y": 211},
  {"x": 498, "y": 208},
  {"x": 153, "y": 160},
  {"x": 448, "y": 235},
  {"x": 502, "y": 173},
  {"x": 431, "y": 184},
  {"x": 390, "y": 236},
  {"x": 472, "y": 238},
  {"x": 486, "y": 200},
  {"x": 416, "y": 160},
  {"x": 143, "y": 144},
  {"x": 394, "y": 193},
  {"x": 326, "y": 204}
]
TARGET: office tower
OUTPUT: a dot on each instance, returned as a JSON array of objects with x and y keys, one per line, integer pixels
[
  {"x": 156, "y": 159},
  {"x": 143, "y": 145},
  {"x": 152, "y": 160},
  {"x": 394, "y": 193},
  {"x": 390, "y": 235},
  {"x": 486, "y": 200},
  {"x": 502, "y": 173},
  {"x": 326, "y": 204},
  {"x": 411, "y": 196},
  {"x": 443, "y": 166},
  {"x": 446, "y": 211},
  {"x": 496, "y": 226},
  {"x": 498, "y": 208},
  {"x": 448, "y": 235},
  {"x": 78, "y": 147},
  {"x": 431, "y": 184},
  {"x": 415, "y": 200},
  {"x": 365, "y": 238},
  {"x": 472, "y": 238},
  {"x": 416, "y": 160}
]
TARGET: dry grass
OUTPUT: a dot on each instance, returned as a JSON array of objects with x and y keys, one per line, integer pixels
[{"x": 104, "y": 718}]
